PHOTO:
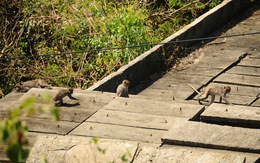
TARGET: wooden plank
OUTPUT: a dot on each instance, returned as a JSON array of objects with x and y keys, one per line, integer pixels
[
  {"x": 170, "y": 81},
  {"x": 174, "y": 95},
  {"x": 240, "y": 99},
  {"x": 12, "y": 96},
  {"x": 118, "y": 132},
  {"x": 178, "y": 92},
  {"x": 256, "y": 103},
  {"x": 87, "y": 99},
  {"x": 71, "y": 149},
  {"x": 213, "y": 136},
  {"x": 241, "y": 70},
  {"x": 220, "y": 59},
  {"x": 155, "y": 107},
  {"x": 157, "y": 94},
  {"x": 47, "y": 126},
  {"x": 245, "y": 80},
  {"x": 251, "y": 62},
  {"x": 201, "y": 71},
  {"x": 31, "y": 138},
  {"x": 244, "y": 116},
  {"x": 8, "y": 105},
  {"x": 184, "y": 154},
  {"x": 70, "y": 114},
  {"x": 133, "y": 119},
  {"x": 255, "y": 55}
]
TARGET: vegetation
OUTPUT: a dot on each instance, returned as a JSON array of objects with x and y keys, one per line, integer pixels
[
  {"x": 68, "y": 43},
  {"x": 13, "y": 128}
]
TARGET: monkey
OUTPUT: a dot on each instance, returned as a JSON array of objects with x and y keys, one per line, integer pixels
[
  {"x": 213, "y": 91},
  {"x": 26, "y": 86},
  {"x": 58, "y": 98},
  {"x": 122, "y": 89}
]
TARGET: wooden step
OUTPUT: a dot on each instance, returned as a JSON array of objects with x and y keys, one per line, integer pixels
[
  {"x": 244, "y": 116},
  {"x": 200, "y": 134}
]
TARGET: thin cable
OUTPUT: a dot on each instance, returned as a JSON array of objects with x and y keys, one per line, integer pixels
[{"x": 135, "y": 46}]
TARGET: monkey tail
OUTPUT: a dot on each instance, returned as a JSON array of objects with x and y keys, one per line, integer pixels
[{"x": 194, "y": 89}]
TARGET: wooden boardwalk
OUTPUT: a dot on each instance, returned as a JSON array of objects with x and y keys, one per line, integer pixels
[{"x": 164, "y": 122}]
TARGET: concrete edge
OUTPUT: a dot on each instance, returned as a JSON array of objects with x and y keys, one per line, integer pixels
[{"x": 151, "y": 61}]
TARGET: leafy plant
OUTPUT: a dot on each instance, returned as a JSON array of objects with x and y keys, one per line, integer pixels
[
  {"x": 76, "y": 43},
  {"x": 14, "y": 130}
]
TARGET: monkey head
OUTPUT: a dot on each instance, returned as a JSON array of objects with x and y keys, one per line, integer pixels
[
  {"x": 18, "y": 86},
  {"x": 71, "y": 90},
  {"x": 227, "y": 89},
  {"x": 126, "y": 83}
]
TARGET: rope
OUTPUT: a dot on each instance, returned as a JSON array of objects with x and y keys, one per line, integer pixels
[{"x": 136, "y": 46}]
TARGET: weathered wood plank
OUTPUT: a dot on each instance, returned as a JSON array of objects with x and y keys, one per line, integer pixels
[
  {"x": 242, "y": 70},
  {"x": 8, "y": 105},
  {"x": 216, "y": 58},
  {"x": 70, "y": 114},
  {"x": 240, "y": 99},
  {"x": 157, "y": 94},
  {"x": 213, "y": 136},
  {"x": 239, "y": 79},
  {"x": 12, "y": 96},
  {"x": 177, "y": 93},
  {"x": 31, "y": 138},
  {"x": 118, "y": 132},
  {"x": 72, "y": 149},
  {"x": 47, "y": 126},
  {"x": 170, "y": 81},
  {"x": 255, "y": 55},
  {"x": 201, "y": 71},
  {"x": 155, "y": 107},
  {"x": 256, "y": 103},
  {"x": 87, "y": 99},
  {"x": 184, "y": 154},
  {"x": 251, "y": 62},
  {"x": 133, "y": 119},
  {"x": 172, "y": 96},
  {"x": 235, "y": 115}
]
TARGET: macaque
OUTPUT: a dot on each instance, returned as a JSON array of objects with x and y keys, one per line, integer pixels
[
  {"x": 58, "y": 98},
  {"x": 122, "y": 89},
  {"x": 213, "y": 91},
  {"x": 26, "y": 86}
]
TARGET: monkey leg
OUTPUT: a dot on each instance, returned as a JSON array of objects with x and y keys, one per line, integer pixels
[
  {"x": 25, "y": 89},
  {"x": 45, "y": 86},
  {"x": 220, "y": 99},
  {"x": 212, "y": 99},
  {"x": 58, "y": 102},
  {"x": 71, "y": 97},
  {"x": 225, "y": 99}
]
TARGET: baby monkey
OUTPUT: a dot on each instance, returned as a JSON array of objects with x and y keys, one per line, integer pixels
[
  {"x": 26, "y": 86},
  {"x": 58, "y": 98},
  {"x": 213, "y": 91},
  {"x": 122, "y": 89}
]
